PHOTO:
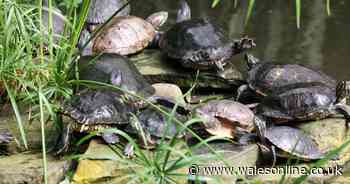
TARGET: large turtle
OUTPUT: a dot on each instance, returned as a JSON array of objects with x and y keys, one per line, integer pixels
[
  {"x": 99, "y": 12},
  {"x": 225, "y": 118},
  {"x": 304, "y": 101},
  {"x": 265, "y": 77},
  {"x": 119, "y": 71},
  {"x": 291, "y": 143},
  {"x": 93, "y": 110},
  {"x": 199, "y": 43},
  {"x": 126, "y": 35}
]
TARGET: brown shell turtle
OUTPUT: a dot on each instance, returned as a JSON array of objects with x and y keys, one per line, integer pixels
[
  {"x": 225, "y": 117},
  {"x": 126, "y": 35}
]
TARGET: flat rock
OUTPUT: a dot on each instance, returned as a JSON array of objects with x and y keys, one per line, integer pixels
[{"x": 28, "y": 168}]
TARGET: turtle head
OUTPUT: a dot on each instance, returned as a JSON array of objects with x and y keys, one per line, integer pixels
[
  {"x": 184, "y": 13},
  {"x": 242, "y": 45},
  {"x": 251, "y": 60},
  {"x": 343, "y": 91},
  {"x": 158, "y": 19}
]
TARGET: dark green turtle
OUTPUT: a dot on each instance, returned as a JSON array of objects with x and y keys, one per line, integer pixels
[
  {"x": 153, "y": 125},
  {"x": 291, "y": 143},
  {"x": 265, "y": 78},
  {"x": 94, "y": 110},
  {"x": 58, "y": 21},
  {"x": 99, "y": 12},
  {"x": 199, "y": 43},
  {"x": 304, "y": 101}
]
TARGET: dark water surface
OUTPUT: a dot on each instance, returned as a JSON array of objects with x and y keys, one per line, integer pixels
[{"x": 322, "y": 42}]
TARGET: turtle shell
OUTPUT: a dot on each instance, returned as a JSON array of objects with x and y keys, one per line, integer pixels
[
  {"x": 101, "y": 10},
  {"x": 155, "y": 124},
  {"x": 124, "y": 35},
  {"x": 197, "y": 43},
  {"x": 221, "y": 117},
  {"x": 107, "y": 68},
  {"x": 93, "y": 110},
  {"x": 294, "y": 142},
  {"x": 266, "y": 78},
  {"x": 303, "y": 101}
]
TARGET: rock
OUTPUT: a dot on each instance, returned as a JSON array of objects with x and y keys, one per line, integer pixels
[
  {"x": 171, "y": 91},
  {"x": 27, "y": 168},
  {"x": 329, "y": 134},
  {"x": 32, "y": 128},
  {"x": 158, "y": 69}
]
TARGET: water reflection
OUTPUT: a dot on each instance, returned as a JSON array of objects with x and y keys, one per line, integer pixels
[{"x": 322, "y": 42}]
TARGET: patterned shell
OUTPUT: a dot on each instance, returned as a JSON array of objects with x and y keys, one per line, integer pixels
[
  {"x": 124, "y": 36},
  {"x": 293, "y": 141},
  {"x": 101, "y": 10}
]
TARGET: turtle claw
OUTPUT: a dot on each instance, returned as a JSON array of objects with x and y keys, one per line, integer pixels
[
  {"x": 129, "y": 150},
  {"x": 5, "y": 138},
  {"x": 110, "y": 137}
]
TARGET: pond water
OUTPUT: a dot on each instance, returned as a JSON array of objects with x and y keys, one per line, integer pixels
[{"x": 321, "y": 43}]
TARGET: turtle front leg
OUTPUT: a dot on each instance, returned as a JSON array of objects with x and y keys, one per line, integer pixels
[
  {"x": 345, "y": 111},
  {"x": 154, "y": 43},
  {"x": 5, "y": 138},
  {"x": 110, "y": 137},
  {"x": 260, "y": 126},
  {"x": 241, "y": 91},
  {"x": 129, "y": 150},
  {"x": 64, "y": 141}
]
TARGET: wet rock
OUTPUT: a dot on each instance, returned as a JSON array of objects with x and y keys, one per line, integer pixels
[
  {"x": 171, "y": 91},
  {"x": 159, "y": 69},
  {"x": 28, "y": 168}
]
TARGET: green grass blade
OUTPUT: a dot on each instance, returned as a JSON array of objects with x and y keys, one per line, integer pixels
[
  {"x": 328, "y": 5},
  {"x": 298, "y": 12},
  {"x": 214, "y": 3},
  {"x": 17, "y": 114},
  {"x": 249, "y": 11},
  {"x": 42, "y": 121}
]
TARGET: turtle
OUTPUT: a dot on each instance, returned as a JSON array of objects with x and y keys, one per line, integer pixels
[
  {"x": 224, "y": 118},
  {"x": 304, "y": 101},
  {"x": 264, "y": 77},
  {"x": 198, "y": 43},
  {"x": 94, "y": 110},
  {"x": 151, "y": 126},
  {"x": 291, "y": 143},
  {"x": 117, "y": 70},
  {"x": 58, "y": 21},
  {"x": 99, "y": 12},
  {"x": 127, "y": 35}
]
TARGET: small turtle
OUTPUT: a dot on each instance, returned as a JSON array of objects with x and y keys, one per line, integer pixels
[
  {"x": 151, "y": 126},
  {"x": 291, "y": 142},
  {"x": 58, "y": 21},
  {"x": 93, "y": 110},
  {"x": 99, "y": 12},
  {"x": 199, "y": 43},
  {"x": 265, "y": 78},
  {"x": 126, "y": 35},
  {"x": 304, "y": 101},
  {"x": 5, "y": 138},
  {"x": 225, "y": 117}
]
